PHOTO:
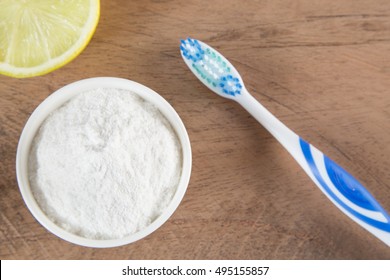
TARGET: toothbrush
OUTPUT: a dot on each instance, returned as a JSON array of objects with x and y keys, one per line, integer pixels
[{"x": 219, "y": 75}]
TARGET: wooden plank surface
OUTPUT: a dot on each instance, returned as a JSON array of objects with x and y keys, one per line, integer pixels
[{"x": 322, "y": 67}]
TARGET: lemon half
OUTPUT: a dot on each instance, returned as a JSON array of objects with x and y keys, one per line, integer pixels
[{"x": 39, "y": 36}]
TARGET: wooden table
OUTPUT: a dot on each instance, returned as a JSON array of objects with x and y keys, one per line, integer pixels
[{"x": 322, "y": 67}]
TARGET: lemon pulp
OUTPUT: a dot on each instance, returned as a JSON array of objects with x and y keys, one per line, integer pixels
[{"x": 39, "y": 36}]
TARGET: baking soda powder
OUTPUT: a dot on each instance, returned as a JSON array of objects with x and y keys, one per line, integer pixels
[{"x": 105, "y": 165}]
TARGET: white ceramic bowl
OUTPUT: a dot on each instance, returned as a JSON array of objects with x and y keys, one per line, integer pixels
[{"x": 57, "y": 99}]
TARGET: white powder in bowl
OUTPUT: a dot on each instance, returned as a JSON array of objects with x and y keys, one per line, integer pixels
[{"x": 105, "y": 165}]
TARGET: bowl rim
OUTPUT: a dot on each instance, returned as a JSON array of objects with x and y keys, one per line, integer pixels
[{"x": 56, "y": 100}]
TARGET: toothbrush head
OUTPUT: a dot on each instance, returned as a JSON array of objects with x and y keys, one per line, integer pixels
[{"x": 211, "y": 68}]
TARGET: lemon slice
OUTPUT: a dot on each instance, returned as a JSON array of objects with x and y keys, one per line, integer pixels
[{"x": 39, "y": 36}]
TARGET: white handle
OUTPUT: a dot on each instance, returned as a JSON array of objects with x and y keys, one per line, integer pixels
[
  {"x": 336, "y": 183},
  {"x": 279, "y": 130}
]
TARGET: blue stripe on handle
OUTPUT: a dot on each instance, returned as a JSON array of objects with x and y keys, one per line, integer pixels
[
  {"x": 361, "y": 196},
  {"x": 349, "y": 186}
]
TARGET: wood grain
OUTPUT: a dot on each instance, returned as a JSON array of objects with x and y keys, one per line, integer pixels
[{"x": 322, "y": 67}]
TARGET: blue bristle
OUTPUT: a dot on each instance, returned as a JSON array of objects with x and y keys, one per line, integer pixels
[{"x": 196, "y": 43}]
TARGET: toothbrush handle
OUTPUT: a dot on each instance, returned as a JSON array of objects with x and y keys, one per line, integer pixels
[{"x": 336, "y": 183}]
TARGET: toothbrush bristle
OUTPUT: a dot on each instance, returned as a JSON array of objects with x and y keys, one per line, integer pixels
[
  {"x": 191, "y": 49},
  {"x": 211, "y": 67}
]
